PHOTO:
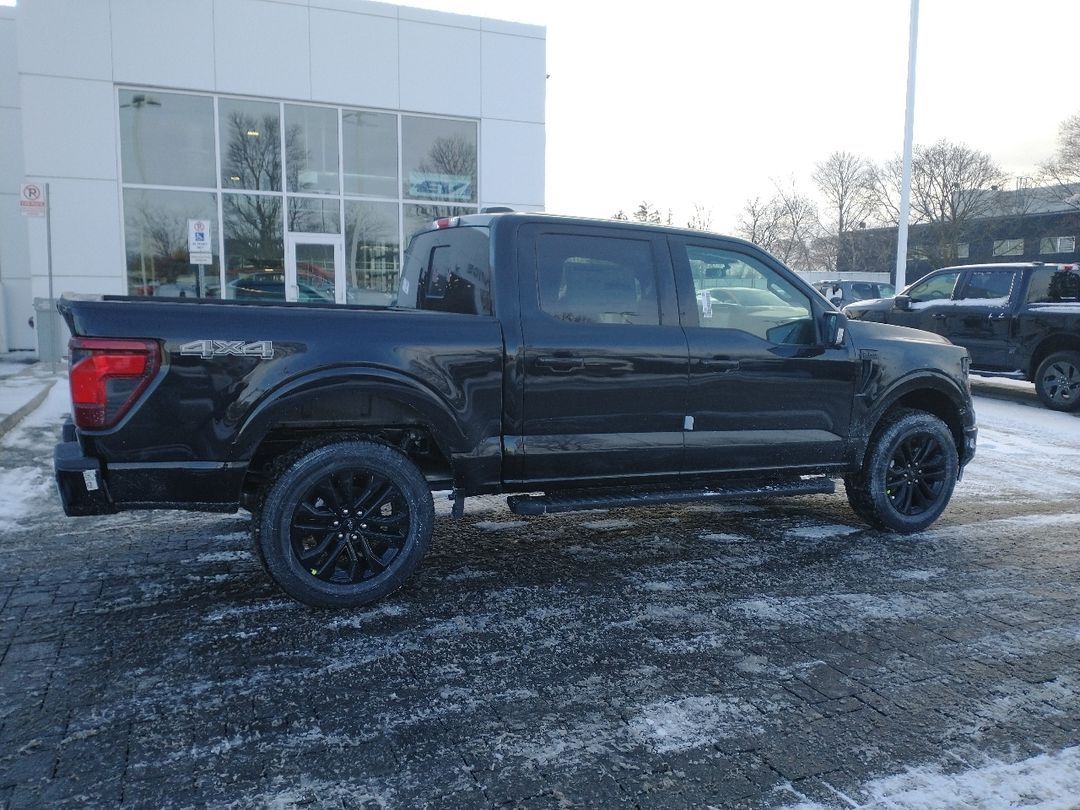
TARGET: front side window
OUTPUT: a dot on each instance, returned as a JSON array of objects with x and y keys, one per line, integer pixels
[
  {"x": 934, "y": 288},
  {"x": 597, "y": 279},
  {"x": 988, "y": 284},
  {"x": 737, "y": 291}
]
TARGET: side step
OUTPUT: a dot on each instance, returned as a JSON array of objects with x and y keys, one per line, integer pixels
[{"x": 547, "y": 504}]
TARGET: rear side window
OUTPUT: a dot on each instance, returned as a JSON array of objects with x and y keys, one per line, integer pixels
[
  {"x": 597, "y": 279},
  {"x": 1050, "y": 285},
  {"x": 448, "y": 270}
]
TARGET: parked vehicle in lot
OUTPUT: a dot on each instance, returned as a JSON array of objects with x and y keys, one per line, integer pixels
[
  {"x": 527, "y": 353},
  {"x": 1016, "y": 320},
  {"x": 842, "y": 292}
]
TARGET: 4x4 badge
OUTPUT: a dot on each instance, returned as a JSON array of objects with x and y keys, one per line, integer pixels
[{"x": 207, "y": 349}]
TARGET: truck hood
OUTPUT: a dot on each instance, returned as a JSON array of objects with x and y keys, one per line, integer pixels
[
  {"x": 870, "y": 305},
  {"x": 869, "y": 333}
]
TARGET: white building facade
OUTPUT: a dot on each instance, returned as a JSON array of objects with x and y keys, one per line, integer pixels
[{"x": 302, "y": 141}]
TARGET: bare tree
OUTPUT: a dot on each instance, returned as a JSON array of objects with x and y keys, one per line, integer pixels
[
  {"x": 844, "y": 180},
  {"x": 1063, "y": 169},
  {"x": 701, "y": 219},
  {"x": 952, "y": 185},
  {"x": 759, "y": 222},
  {"x": 647, "y": 213}
]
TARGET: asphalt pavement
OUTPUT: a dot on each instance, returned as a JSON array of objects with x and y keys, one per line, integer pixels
[{"x": 759, "y": 655}]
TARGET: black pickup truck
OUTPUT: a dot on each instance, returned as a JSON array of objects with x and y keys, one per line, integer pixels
[
  {"x": 1016, "y": 320},
  {"x": 574, "y": 363}
]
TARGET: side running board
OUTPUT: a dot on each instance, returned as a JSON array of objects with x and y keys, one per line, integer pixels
[{"x": 547, "y": 504}]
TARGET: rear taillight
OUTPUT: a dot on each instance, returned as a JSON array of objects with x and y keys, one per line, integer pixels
[{"x": 107, "y": 376}]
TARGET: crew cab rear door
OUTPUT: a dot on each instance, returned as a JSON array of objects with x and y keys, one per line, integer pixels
[
  {"x": 604, "y": 357},
  {"x": 765, "y": 392}
]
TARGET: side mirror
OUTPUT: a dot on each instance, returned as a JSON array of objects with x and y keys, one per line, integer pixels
[
  {"x": 902, "y": 302},
  {"x": 835, "y": 324}
]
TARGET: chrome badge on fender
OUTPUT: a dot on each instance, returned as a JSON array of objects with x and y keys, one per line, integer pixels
[{"x": 208, "y": 349}]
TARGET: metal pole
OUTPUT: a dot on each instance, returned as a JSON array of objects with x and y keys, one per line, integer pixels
[
  {"x": 905, "y": 183},
  {"x": 52, "y": 301}
]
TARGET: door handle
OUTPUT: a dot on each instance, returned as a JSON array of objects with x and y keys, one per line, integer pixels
[
  {"x": 939, "y": 316},
  {"x": 998, "y": 316},
  {"x": 720, "y": 364},
  {"x": 561, "y": 365}
]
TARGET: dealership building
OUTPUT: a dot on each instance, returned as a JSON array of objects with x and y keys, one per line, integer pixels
[{"x": 248, "y": 149}]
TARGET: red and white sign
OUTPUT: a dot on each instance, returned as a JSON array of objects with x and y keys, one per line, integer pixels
[{"x": 32, "y": 200}]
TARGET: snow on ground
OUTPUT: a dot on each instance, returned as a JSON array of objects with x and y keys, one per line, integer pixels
[
  {"x": 1012, "y": 457},
  {"x": 21, "y": 488},
  {"x": 1047, "y": 782}
]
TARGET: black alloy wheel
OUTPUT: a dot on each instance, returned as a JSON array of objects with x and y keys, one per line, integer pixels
[
  {"x": 916, "y": 475},
  {"x": 908, "y": 473},
  {"x": 1057, "y": 381},
  {"x": 345, "y": 524},
  {"x": 349, "y": 527}
]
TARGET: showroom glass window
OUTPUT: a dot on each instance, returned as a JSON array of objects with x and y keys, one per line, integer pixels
[{"x": 260, "y": 170}]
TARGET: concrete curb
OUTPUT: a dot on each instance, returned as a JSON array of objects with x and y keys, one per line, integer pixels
[{"x": 12, "y": 419}]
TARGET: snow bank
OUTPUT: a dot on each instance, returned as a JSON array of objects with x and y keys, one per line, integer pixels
[{"x": 1046, "y": 781}]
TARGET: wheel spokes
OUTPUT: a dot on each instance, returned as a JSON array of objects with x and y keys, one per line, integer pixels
[{"x": 350, "y": 527}]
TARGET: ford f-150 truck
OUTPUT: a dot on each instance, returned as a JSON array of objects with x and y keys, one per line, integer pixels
[
  {"x": 1016, "y": 320},
  {"x": 571, "y": 363}
]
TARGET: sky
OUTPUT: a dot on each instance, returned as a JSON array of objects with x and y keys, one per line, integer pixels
[
  {"x": 683, "y": 103},
  {"x": 690, "y": 102}
]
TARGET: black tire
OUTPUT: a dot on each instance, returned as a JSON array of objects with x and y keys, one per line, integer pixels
[
  {"x": 345, "y": 524},
  {"x": 908, "y": 474},
  {"x": 1057, "y": 381}
]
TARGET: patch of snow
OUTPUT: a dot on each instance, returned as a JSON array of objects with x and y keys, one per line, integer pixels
[
  {"x": 722, "y": 537},
  {"x": 21, "y": 486},
  {"x": 223, "y": 556},
  {"x": 819, "y": 532},
  {"x": 694, "y": 722},
  {"x": 614, "y": 523},
  {"x": 1046, "y": 781},
  {"x": 917, "y": 576},
  {"x": 499, "y": 525},
  {"x": 246, "y": 610}
]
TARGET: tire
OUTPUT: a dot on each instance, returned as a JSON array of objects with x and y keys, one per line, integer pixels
[
  {"x": 908, "y": 474},
  {"x": 345, "y": 524},
  {"x": 1057, "y": 381}
]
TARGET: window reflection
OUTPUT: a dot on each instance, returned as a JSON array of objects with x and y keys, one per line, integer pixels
[
  {"x": 314, "y": 215},
  {"x": 311, "y": 134},
  {"x": 155, "y": 232},
  {"x": 250, "y": 145},
  {"x": 372, "y": 252},
  {"x": 371, "y": 154},
  {"x": 166, "y": 139},
  {"x": 254, "y": 246},
  {"x": 438, "y": 159}
]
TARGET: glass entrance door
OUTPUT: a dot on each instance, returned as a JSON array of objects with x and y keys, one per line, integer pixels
[{"x": 314, "y": 272}]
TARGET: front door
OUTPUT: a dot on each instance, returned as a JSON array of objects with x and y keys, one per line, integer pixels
[
  {"x": 764, "y": 391},
  {"x": 930, "y": 301},
  {"x": 314, "y": 270}
]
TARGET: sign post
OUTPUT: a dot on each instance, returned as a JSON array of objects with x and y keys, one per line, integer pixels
[
  {"x": 34, "y": 202},
  {"x": 200, "y": 250}
]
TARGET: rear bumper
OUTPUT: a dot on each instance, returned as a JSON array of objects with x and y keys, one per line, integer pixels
[
  {"x": 88, "y": 488},
  {"x": 80, "y": 482}
]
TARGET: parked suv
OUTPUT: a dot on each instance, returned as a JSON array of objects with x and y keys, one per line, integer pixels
[{"x": 843, "y": 292}]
